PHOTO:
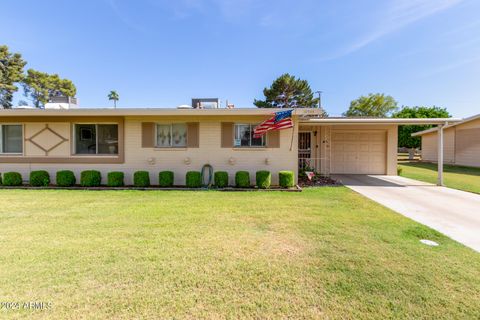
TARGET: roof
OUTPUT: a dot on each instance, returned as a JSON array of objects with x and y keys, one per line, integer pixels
[
  {"x": 150, "y": 112},
  {"x": 420, "y": 133},
  {"x": 308, "y": 116}
]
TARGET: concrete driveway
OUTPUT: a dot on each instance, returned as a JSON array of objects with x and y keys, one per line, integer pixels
[{"x": 452, "y": 212}]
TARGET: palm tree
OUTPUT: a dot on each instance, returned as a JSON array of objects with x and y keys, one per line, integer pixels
[{"x": 113, "y": 95}]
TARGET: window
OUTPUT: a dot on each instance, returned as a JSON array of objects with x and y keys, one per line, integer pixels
[
  {"x": 171, "y": 135},
  {"x": 96, "y": 138},
  {"x": 11, "y": 138},
  {"x": 244, "y": 136}
]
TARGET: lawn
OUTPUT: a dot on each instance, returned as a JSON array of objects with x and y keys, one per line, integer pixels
[
  {"x": 323, "y": 253},
  {"x": 457, "y": 177}
]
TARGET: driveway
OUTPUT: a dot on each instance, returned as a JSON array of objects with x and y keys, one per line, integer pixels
[{"x": 452, "y": 212}]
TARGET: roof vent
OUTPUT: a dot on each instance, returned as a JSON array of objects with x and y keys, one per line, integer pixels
[
  {"x": 62, "y": 103},
  {"x": 184, "y": 106},
  {"x": 205, "y": 103}
]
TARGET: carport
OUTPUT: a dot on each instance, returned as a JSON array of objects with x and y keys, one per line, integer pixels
[{"x": 358, "y": 145}]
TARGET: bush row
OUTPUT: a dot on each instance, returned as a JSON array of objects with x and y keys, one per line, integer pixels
[{"x": 193, "y": 179}]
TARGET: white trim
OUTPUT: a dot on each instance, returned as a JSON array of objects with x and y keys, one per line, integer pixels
[
  {"x": 368, "y": 121},
  {"x": 431, "y": 130},
  {"x": 171, "y": 135},
  {"x": 74, "y": 138},
  {"x": 251, "y": 126},
  {"x": 22, "y": 140}
]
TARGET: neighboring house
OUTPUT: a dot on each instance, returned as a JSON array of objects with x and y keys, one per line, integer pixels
[
  {"x": 461, "y": 143},
  {"x": 186, "y": 139}
]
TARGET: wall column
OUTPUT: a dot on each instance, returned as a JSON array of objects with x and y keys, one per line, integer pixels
[{"x": 440, "y": 155}]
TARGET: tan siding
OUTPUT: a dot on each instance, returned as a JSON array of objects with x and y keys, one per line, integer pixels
[
  {"x": 210, "y": 152},
  {"x": 226, "y": 134},
  {"x": 181, "y": 160},
  {"x": 148, "y": 134},
  {"x": 273, "y": 139},
  {"x": 192, "y": 135},
  {"x": 468, "y": 144},
  {"x": 430, "y": 143}
]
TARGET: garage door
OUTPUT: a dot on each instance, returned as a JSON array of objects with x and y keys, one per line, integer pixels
[{"x": 359, "y": 151}]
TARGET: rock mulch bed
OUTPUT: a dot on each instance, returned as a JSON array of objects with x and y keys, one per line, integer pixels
[{"x": 317, "y": 181}]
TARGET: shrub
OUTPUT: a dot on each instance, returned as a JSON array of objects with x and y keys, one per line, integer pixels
[
  {"x": 115, "y": 179},
  {"x": 242, "y": 179},
  {"x": 90, "y": 178},
  {"x": 165, "y": 179},
  {"x": 399, "y": 170},
  {"x": 12, "y": 179},
  {"x": 193, "y": 179},
  {"x": 141, "y": 179},
  {"x": 286, "y": 179},
  {"x": 263, "y": 179},
  {"x": 221, "y": 179},
  {"x": 65, "y": 178},
  {"x": 1, "y": 179},
  {"x": 39, "y": 178}
]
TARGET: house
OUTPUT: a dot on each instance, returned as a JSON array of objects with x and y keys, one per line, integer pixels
[
  {"x": 461, "y": 143},
  {"x": 181, "y": 140}
]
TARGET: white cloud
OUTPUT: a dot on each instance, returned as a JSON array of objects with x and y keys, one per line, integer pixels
[{"x": 397, "y": 15}]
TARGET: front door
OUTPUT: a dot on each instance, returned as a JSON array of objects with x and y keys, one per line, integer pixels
[{"x": 305, "y": 150}]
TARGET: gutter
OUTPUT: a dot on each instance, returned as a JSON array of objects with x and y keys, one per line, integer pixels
[{"x": 398, "y": 121}]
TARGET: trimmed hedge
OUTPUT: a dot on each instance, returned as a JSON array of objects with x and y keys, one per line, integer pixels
[
  {"x": 286, "y": 179},
  {"x": 12, "y": 179},
  {"x": 141, "y": 179},
  {"x": 242, "y": 179},
  {"x": 65, "y": 178},
  {"x": 1, "y": 179},
  {"x": 39, "y": 178},
  {"x": 165, "y": 179},
  {"x": 115, "y": 179},
  {"x": 90, "y": 178},
  {"x": 193, "y": 179},
  {"x": 221, "y": 179},
  {"x": 263, "y": 179}
]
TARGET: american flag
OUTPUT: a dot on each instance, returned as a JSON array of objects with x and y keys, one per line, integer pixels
[{"x": 280, "y": 120}]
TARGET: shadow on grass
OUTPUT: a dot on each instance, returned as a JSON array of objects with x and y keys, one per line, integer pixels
[{"x": 446, "y": 168}]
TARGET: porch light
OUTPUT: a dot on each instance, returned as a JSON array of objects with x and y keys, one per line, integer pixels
[
  {"x": 187, "y": 161},
  {"x": 232, "y": 161}
]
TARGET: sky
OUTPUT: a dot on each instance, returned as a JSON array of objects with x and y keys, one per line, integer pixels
[{"x": 162, "y": 53}]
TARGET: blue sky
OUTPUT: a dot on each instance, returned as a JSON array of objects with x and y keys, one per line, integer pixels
[{"x": 161, "y": 53}]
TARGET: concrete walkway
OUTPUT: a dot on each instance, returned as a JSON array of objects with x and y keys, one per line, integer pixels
[{"x": 452, "y": 212}]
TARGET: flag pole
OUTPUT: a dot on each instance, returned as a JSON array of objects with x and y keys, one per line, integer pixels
[{"x": 293, "y": 129}]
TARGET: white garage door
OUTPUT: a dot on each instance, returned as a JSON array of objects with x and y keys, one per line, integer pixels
[{"x": 359, "y": 151}]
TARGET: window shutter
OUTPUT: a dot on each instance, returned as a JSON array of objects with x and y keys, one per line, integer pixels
[
  {"x": 227, "y": 135},
  {"x": 148, "y": 135},
  {"x": 193, "y": 134},
  {"x": 273, "y": 139}
]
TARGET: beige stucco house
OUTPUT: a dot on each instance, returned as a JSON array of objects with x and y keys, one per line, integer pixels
[
  {"x": 186, "y": 139},
  {"x": 461, "y": 143}
]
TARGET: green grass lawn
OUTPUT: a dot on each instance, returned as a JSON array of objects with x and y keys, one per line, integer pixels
[
  {"x": 457, "y": 177},
  {"x": 323, "y": 253}
]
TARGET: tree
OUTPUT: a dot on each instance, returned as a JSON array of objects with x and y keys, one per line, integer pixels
[
  {"x": 11, "y": 72},
  {"x": 288, "y": 92},
  {"x": 404, "y": 132},
  {"x": 113, "y": 95},
  {"x": 41, "y": 86},
  {"x": 373, "y": 105}
]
